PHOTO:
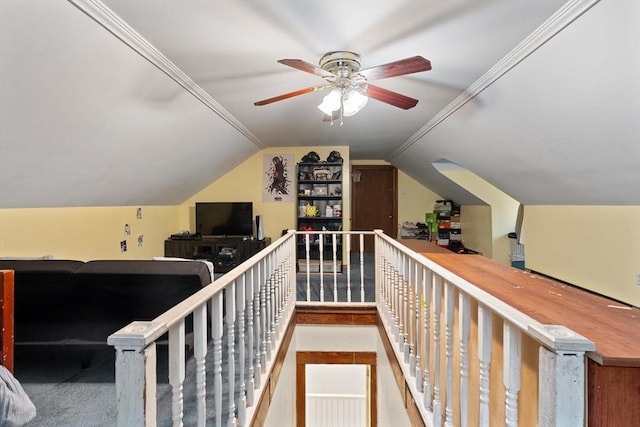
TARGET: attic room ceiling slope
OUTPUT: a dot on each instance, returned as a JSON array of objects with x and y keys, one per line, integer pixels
[
  {"x": 87, "y": 120},
  {"x": 240, "y": 69},
  {"x": 76, "y": 130},
  {"x": 561, "y": 128}
]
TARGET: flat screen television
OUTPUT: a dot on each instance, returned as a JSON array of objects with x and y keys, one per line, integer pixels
[{"x": 224, "y": 218}]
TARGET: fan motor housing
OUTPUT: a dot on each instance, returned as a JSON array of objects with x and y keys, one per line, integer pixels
[{"x": 340, "y": 62}]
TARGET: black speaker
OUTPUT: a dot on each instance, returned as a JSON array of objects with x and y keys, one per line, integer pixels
[{"x": 259, "y": 228}]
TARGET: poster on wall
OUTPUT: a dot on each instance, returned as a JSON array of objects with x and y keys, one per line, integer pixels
[{"x": 277, "y": 185}]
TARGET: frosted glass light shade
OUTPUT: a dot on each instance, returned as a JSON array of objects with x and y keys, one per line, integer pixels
[
  {"x": 354, "y": 102},
  {"x": 331, "y": 102}
]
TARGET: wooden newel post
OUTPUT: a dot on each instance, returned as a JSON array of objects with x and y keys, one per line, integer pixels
[
  {"x": 6, "y": 318},
  {"x": 562, "y": 388},
  {"x": 135, "y": 375}
]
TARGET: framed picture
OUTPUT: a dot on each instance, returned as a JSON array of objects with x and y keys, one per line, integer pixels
[{"x": 277, "y": 184}]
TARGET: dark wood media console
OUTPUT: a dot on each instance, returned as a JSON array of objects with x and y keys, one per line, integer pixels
[{"x": 225, "y": 252}]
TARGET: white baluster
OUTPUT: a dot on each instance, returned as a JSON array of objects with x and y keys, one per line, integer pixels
[
  {"x": 257, "y": 316},
  {"x": 361, "y": 267},
  {"x": 388, "y": 289},
  {"x": 231, "y": 360},
  {"x": 398, "y": 312},
  {"x": 176, "y": 370},
  {"x": 278, "y": 297},
  {"x": 274, "y": 301},
  {"x": 464, "y": 311},
  {"x": 389, "y": 294},
  {"x": 385, "y": 291},
  {"x": 437, "y": 302},
  {"x": 282, "y": 287},
  {"x": 406, "y": 320},
  {"x": 308, "y": 260},
  {"x": 415, "y": 321},
  {"x": 250, "y": 339},
  {"x": 200, "y": 354},
  {"x": 401, "y": 301},
  {"x": 404, "y": 345},
  {"x": 511, "y": 372},
  {"x": 274, "y": 306},
  {"x": 394, "y": 304},
  {"x": 420, "y": 275},
  {"x": 347, "y": 237},
  {"x": 391, "y": 297},
  {"x": 263, "y": 318},
  {"x": 428, "y": 283},
  {"x": 277, "y": 285},
  {"x": 284, "y": 292},
  {"x": 216, "y": 336},
  {"x": 240, "y": 307},
  {"x": 270, "y": 307},
  {"x": 334, "y": 244},
  {"x": 285, "y": 274},
  {"x": 382, "y": 283},
  {"x": 292, "y": 291},
  {"x": 449, "y": 299},
  {"x": 321, "y": 249},
  {"x": 485, "y": 338},
  {"x": 268, "y": 273}
]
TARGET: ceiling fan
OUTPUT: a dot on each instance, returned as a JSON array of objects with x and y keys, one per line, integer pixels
[{"x": 350, "y": 87}]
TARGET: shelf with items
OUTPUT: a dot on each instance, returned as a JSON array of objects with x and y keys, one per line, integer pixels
[
  {"x": 447, "y": 216},
  {"x": 319, "y": 208},
  {"x": 411, "y": 230}
]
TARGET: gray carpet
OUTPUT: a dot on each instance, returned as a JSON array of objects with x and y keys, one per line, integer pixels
[
  {"x": 74, "y": 386},
  {"x": 343, "y": 281}
]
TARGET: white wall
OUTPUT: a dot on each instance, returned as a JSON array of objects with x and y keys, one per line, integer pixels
[
  {"x": 391, "y": 410},
  {"x": 282, "y": 410},
  {"x": 336, "y": 379}
]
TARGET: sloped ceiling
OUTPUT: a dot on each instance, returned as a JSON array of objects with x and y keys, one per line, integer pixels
[{"x": 145, "y": 103}]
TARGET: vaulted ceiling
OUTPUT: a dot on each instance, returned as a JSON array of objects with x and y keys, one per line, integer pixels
[{"x": 119, "y": 102}]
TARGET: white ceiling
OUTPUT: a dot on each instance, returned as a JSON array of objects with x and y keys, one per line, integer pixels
[{"x": 125, "y": 102}]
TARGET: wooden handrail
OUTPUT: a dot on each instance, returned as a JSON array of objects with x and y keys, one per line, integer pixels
[{"x": 6, "y": 318}]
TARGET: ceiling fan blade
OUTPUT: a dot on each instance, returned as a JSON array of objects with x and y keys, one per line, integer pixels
[
  {"x": 390, "y": 97},
  {"x": 415, "y": 64},
  {"x": 307, "y": 67},
  {"x": 290, "y": 95}
]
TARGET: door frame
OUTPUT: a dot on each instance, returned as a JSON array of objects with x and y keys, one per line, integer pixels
[
  {"x": 394, "y": 208},
  {"x": 368, "y": 358}
]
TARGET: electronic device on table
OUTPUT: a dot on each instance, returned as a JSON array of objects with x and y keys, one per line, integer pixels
[{"x": 224, "y": 218}]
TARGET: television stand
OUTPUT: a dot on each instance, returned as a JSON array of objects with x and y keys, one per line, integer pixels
[{"x": 225, "y": 252}]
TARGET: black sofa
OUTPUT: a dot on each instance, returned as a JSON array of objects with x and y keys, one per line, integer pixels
[{"x": 70, "y": 302}]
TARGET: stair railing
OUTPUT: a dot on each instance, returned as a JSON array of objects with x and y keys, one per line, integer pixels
[
  {"x": 247, "y": 310},
  {"x": 447, "y": 336},
  {"x": 467, "y": 358}
]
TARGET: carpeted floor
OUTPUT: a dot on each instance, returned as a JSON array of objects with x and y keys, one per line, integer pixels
[{"x": 75, "y": 386}]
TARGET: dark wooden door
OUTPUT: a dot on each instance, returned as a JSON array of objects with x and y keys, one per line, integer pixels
[{"x": 374, "y": 201}]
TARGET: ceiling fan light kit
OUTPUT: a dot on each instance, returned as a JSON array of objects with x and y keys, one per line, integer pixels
[
  {"x": 347, "y": 100},
  {"x": 350, "y": 89}
]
